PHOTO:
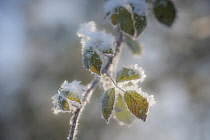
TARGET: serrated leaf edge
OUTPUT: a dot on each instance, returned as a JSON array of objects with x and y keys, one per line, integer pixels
[{"x": 147, "y": 108}]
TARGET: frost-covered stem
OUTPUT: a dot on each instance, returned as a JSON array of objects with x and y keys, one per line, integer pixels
[
  {"x": 75, "y": 118},
  {"x": 117, "y": 49},
  {"x": 74, "y": 124},
  {"x": 90, "y": 89}
]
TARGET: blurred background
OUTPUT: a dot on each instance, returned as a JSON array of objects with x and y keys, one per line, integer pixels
[{"x": 39, "y": 49}]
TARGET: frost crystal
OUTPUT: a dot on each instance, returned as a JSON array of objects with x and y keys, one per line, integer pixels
[
  {"x": 86, "y": 29},
  {"x": 67, "y": 98},
  {"x": 150, "y": 98},
  {"x": 73, "y": 87},
  {"x": 91, "y": 38},
  {"x": 133, "y": 85},
  {"x": 138, "y": 70},
  {"x": 111, "y": 4},
  {"x": 58, "y": 106},
  {"x": 140, "y": 6}
]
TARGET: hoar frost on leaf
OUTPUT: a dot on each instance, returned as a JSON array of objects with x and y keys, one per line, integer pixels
[
  {"x": 131, "y": 73},
  {"x": 95, "y": 44},
  {"x": 73, "y": 87},
  {"x": 58, "y": 106},
  {"x": 149, "y": 98},
  {"x": 138, "y": 102},
  {"x": 140, "y": 6},
  {"x": 111, "y": 4},
  {"x": 129, "y": 15},
  {"x": 98, "y": 40},
  {"x": 139, "y": 70},
  {"x": 86, "y": 29},
  {"x": 68, "y": 97}
]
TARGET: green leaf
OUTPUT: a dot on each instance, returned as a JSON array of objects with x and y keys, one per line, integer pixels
[
  {"x": 165, "y": 12},
  {"x": 123, "y": 18},
  {"x": 122, "y": 114},
  {"x": 63, "y": 104},
  {"x": 108, "y": 103},
  {"x": 92, "y": 61},
  {"x": 72, "y": 96},
  {"x": 133, "y": 45},
  {"x": 140, "y": 23},
  {"x": 126, "y": 75},
  {"x": 136, "y": 104}
]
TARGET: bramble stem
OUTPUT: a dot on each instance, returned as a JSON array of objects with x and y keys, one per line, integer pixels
[{"x": 75, "y": 118}]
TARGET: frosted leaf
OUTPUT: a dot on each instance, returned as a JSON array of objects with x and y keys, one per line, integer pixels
[
  {"x": 122, "y": 17},
  {"x": 68, "y": 97},
  {"x": 73, "y": 87},
  {"x": 92, "y": 61},
  {"x": 129, "y": 15},
  {"x": 137, "y": 103},
  {"x": 107, "y": 100},
  {"x": 63, "y": 104},
  {"x": 131, "y": 73},
  {"x": 72, "y": 96},
  {"x": 111, "y": 4},
  {"x": 97, "y": 40},
  {"x": 149, "y": 98},
  {"x": 126, "y": 75},
  {"x": 140, "y": 23},
  {"x": 94, "y": 44},
  {"x": 101, "y": 41},
  {"x": 139, "y": 70},
  {"x": 60, "y": 104},
  {"x": 138, "y": 6}
]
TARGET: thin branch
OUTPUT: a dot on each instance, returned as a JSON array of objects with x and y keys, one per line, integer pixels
[
  {"x": 90, "y": 89},
  {"x": 114, "y": 82},
  {"x": 75, "y": 118},
  {"x": 74, "y": 124}
]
